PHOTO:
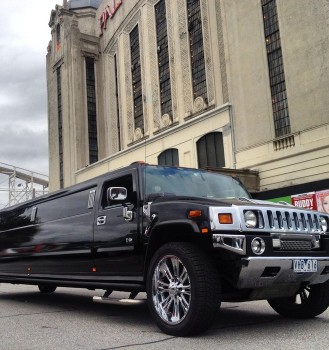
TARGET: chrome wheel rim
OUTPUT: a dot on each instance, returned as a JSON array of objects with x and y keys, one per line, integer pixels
[{"x": 171, "y": 290}]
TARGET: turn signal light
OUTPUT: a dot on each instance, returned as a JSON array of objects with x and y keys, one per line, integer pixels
[
  {"x": 225, "y": 219},
  {"x": 195, "y": 213}
]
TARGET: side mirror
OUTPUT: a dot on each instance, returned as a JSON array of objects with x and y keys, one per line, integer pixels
[{"x": 116, "y": 194}]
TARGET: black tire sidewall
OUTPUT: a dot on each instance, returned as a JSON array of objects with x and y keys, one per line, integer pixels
[
  {"x": 189, "y": 325},
  {"x": 316, "y": 304}
]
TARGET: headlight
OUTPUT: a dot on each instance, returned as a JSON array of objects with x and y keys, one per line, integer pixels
[
  {"x": 323, "y": 224},
  {"x": 250, "y": 219}
]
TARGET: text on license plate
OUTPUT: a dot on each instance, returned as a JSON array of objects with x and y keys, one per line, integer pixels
[{"x": 305, "y": 265}]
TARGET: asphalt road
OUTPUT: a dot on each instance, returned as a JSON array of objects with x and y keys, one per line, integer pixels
[{"x": 69, "y": 319}]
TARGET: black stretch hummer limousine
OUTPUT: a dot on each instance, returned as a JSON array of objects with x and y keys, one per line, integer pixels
[{"x": 188, "y": 238}]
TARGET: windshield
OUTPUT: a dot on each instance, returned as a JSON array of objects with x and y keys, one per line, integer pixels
[{"x": 191, "y": 182}]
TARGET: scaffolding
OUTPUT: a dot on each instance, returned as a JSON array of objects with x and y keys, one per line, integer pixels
[{"x": 22, "y": 184}]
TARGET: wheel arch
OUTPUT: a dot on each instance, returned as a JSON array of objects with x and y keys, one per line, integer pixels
[{"x": 175, "y": 231}]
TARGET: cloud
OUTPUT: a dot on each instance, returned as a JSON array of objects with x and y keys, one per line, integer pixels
[
  {"x": 23, "y": 88},
  {"x": 24, "y": 147},
  {"x": 24, "y": 96}
]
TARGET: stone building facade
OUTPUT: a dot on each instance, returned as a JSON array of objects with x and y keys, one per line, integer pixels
[{"x": 198, "y": 83}]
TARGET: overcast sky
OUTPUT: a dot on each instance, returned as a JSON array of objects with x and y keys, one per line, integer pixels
[{"x": 24, "y": 37}]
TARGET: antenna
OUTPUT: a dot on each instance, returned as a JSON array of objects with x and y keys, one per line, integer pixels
[
  {"x": 145, "y": 151},
  {"x": 144, "y": 194}
]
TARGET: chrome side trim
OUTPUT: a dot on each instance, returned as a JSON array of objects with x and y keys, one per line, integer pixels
[
  {"x": 101, "y": 220},
  {"x": 91, "y": 199},
  {"x": 33, "y": 214},
  {"x": 147, "y": 209}
]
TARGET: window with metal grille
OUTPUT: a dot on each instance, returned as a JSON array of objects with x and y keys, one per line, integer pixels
[
  {"x": 91, "y": 110},
  {"x": 169, "y": 157},
  {"x": 210, "y": 150},
  {"x": 275, "y": 68},
  {"x": 117, "y": 101},
  {"x": 60, "y": 126},
  {"x": 136, "y": 78},
  {"x": 163, "y": 57},
  {"x": 196, "y": 49}
]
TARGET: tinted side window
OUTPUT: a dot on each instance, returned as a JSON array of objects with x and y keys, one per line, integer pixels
[
  {"x": 18, "y": 217},
  {"x": 69, "y": 205}
]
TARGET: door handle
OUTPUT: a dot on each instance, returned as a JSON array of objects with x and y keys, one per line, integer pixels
[{"x": 101, "y": 220}]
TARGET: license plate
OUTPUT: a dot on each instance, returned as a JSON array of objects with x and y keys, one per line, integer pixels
[{"x": 305, "y": 265}]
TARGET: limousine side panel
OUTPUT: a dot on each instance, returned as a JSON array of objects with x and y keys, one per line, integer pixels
[{"x": 55, "y": 238}]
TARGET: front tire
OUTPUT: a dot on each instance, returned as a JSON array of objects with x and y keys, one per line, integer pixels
[
  {"x": 310, "y": 301},
  {"x": 183, "y": 289}
]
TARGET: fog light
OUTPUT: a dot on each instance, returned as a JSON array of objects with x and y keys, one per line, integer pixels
[{"x": 258, "y": 246}]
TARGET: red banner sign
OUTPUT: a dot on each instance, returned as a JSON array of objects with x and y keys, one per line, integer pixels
[{"x": 305, "y": 200}]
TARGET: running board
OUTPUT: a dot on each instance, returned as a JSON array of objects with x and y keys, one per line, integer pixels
[{"x": 117, "y": 301}]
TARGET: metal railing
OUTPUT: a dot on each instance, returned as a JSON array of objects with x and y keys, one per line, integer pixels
[{"x": 22, "y": 185}]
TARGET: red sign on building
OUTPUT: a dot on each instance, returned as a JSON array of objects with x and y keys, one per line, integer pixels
[
  {"x": 305, "y": 200},
  {"x": 109, "y": 12}
]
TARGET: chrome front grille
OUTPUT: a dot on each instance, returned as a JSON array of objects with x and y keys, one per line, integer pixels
[
  {"x": 294, "y": 230},
  {"x": 282, "y": 217},
  {"x": 293, "y": 220},
  {"x": 291, "y": 228}
]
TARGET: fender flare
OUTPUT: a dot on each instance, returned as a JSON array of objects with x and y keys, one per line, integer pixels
[{"x": 158, "y": 230}]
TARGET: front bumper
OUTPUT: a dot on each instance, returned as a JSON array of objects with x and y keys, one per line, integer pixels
[{"x": 265, "y": 272}]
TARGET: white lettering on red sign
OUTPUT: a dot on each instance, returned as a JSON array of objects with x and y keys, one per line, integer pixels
[
  {"x": 304, "y": 203},
  {"x": 109, "y": 12},
  {"x": 304, "y": 200}
]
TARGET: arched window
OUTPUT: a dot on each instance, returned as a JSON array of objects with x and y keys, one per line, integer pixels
[
  {"x": 210, "y": 150},
  {"x": 169, "y": 157}
]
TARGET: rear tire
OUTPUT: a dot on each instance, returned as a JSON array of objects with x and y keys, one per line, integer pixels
[
  {"x": 183, "y": 289},
  {"x": 46, "y": 289},
  {"x": 309, "y": 302}
]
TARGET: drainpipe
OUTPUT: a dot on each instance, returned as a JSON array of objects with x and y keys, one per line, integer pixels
[{"x": 231, "y": 115}]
